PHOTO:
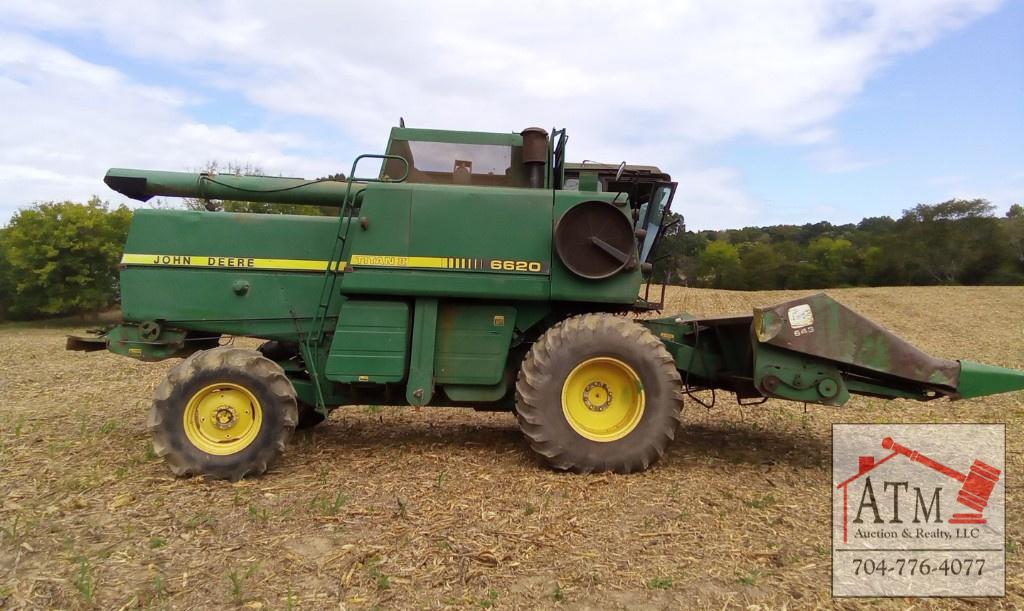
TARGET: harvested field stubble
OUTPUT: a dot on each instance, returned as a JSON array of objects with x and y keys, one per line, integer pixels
[{"x": 402, "y": 507}]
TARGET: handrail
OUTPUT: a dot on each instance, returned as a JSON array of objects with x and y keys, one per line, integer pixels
[
  {"x": 375, "y": 156},
  {"x": 313, "y": 339}
]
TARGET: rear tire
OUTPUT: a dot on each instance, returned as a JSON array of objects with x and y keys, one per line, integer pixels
[
  {"x": 223, "y": 413},
  {"x": 598, "y": 392}
]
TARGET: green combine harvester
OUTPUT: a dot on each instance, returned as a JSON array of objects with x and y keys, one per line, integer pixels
[{"x": 476, "y": 269}]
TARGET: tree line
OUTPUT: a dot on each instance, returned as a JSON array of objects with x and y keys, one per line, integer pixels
[
  {"x": 953, "y": 242},
  {"x": 61, "y": 258}
]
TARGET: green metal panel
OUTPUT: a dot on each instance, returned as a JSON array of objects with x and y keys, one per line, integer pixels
[
  {"x": 197, "y": 295},
  {"x": 475, "y": 393},
  {"x": 472, "y": 343},
  {"x": 796, "y": 377},
  {"x": 181, "y": 232},
  {"x": 978, "y": 380},
  {"x": 455, "y": 284},
  {"x": 385, "y": 219},
  {"x": 481, "y": 222},
  {"x": 459, "y": 241},
  {"x": 194, "y": 270},
  {"x": 443, "y": 135},
  {"x": 820, "y": 326},
  {"x": 622, "y": 288},
  {"x": 588, "y": 182},
  {"x": 371, "y": 342},
  {"x": 420, "y": 389},
  {"x": 127, "y": 340}
]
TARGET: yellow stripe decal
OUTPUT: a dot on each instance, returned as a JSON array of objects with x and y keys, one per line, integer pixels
[
  {"x": 301, "y": 265},
  {"x": 313, "y": 265}
]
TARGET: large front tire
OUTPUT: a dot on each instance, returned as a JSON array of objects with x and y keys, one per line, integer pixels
[
  {"x": 223, "y": 413},
  {"x": 598, "y": 392}
]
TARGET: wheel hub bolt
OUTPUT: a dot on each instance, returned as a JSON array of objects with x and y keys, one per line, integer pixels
[
  {"x": 224, "y": 417},
  {"x": 593, "y": 400}
]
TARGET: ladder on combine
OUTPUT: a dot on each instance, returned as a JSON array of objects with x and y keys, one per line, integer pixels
[{"x": 313, "y": 340}]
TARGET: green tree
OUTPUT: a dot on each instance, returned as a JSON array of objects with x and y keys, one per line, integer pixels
[
  {"x": 669, "y": 251},
  {"x": 760, "y": 266},
  {"x": 954, "y": 242},
  {"x": 62, "y": 257},
  {"x": 6, "y": 281},
  {"x": 835, "y": 258},
  {"x": 719, "y": 266},
  {"x": 1013, "y": 271}
]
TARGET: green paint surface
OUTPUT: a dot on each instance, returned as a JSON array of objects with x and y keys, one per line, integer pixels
[
  {"x": 978, "y": 380},
  {"x": 370, "y": 343},
  {"x": 472, "y": 343}
]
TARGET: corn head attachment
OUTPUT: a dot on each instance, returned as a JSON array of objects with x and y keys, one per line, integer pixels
[{"x": 817, "y": 350}]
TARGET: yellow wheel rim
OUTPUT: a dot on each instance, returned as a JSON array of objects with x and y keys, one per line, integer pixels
[
  {"x": 223, "y": 418},
  {"x": 603, "y": 399}
]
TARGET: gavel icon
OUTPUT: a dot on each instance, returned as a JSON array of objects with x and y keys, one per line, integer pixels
[{"x": 977, "y": 484}]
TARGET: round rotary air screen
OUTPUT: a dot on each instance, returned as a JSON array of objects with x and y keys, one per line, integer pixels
[{"x": 595, "y": 240}]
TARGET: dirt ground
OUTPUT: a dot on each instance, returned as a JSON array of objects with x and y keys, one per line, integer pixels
[{"x": 427, "y": 508}]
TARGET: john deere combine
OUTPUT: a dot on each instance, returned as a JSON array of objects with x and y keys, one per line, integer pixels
[{"x": 476, "y": 269}]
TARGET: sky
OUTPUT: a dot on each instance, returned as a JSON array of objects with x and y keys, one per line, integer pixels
[{"x": 765, "y": 112}]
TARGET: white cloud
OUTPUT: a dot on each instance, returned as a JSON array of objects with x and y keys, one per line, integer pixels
[
  {"x": 651, "y": 82},
  {"x": 716, "y": 197},
  {"x": 66, "y": 121}
]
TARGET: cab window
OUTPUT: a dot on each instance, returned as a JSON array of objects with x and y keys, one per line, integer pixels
[{"x": 454, "y": 163}]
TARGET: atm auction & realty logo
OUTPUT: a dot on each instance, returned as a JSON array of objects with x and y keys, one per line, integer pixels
[{"x": 918, "y": 510}]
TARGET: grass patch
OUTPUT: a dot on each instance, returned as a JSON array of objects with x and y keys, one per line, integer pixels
[
  {"x": 765, "y": 501},
  {"x": 328, "y": 506},
  {"x": 236, "y": 582},
  {"x": 558, "y": 595},
  {"x": 149, "y": 454},
  {"x": 659, "y": 583},
  {"x": 85, "y": 581},
  {"x": 200, "y": 519},
  {"x": 159, "y": 589},
  {"x": 259, "y": 515},
  {"x": 382, "y": 581},
  {"x": 749, "y": 579},
  {"x": 12, "y": 532},
  {"x": 490, "y": 600}
]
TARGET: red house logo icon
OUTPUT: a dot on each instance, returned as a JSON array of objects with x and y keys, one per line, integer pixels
[{"x": 976, "y": 485}]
